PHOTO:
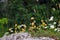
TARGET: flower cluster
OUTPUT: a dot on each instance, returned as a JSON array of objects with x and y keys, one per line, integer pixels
[
  {"x": 17, "y": 28},
  {"x": 32, "y": 24},
  {"x": 45, "y": 24}
]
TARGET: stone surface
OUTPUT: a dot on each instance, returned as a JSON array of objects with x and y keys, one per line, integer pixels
[{"x": 23, "y": 36}]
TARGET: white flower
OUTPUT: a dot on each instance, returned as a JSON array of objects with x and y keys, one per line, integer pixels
[
  {"x": 11, "y": 30},
  {"x": 46, "y": 27},
  {"x": 23, "y": 25},
  {"x": 52, "y": 26},
  {"x": 53, "y": 9},
  {"x": 34, "y": 21},
  {"x": 32, "y": 18},
  {"x": 51, "y": 18},
  {"x": 54, "y": 23},
  {"x": 55, "y": 29}
]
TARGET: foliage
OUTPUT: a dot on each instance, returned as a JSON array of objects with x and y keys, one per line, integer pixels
[
  {"x": 46, "y": 33},
  {"x": 43, "y": 29},
  {"x": 3, "y": 22},
  {"x": 20, "y": 11}
]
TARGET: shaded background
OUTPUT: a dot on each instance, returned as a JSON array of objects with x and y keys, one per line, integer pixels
[{"x": 20, "y": 11}]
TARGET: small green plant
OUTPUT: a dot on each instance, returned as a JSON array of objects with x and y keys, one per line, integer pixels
[{"x": 2, "y": 28}]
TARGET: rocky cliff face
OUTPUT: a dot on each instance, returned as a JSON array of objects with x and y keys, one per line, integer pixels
[{"x": 23, "y": 36}]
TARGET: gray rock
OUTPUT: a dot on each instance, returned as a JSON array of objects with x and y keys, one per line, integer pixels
[{"x": 23, "y": 36}]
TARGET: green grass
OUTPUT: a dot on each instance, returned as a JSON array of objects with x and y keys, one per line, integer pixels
[
  {"x": 3, "y": 30},
  {"x": 46, "y": 33}
]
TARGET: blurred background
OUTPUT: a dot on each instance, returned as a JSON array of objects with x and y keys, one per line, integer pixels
[{"x": 20, "y": 11}]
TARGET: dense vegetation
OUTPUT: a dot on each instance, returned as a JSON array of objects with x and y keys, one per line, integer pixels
[{"x": 20, "y": 11}]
